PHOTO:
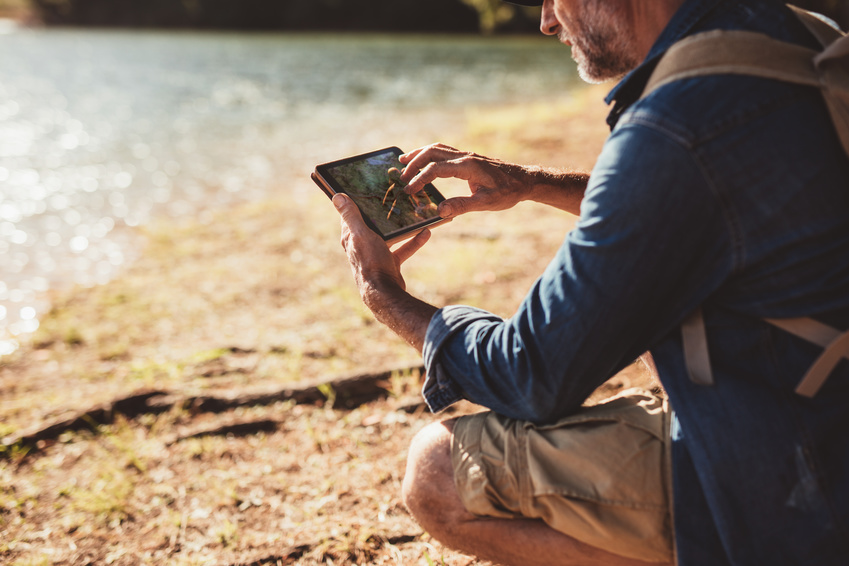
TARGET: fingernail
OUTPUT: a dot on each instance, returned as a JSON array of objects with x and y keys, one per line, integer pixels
[
  {"x": 445, "y": 210},
  {"x": 338, "y": 201}
]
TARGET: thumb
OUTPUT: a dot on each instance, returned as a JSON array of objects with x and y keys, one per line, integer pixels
[
  {"x": 341, "y": 202},
  {"x": 456, "y": 206},
  {"x": 346, "y": 207},
  {"x": 410, "y": 247}
]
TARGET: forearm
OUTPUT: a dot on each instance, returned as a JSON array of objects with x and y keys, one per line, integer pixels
[
  {"x": 376, "y": 271},
  {"x": 402, "y": 313},
  {"x": 560, "y": 189}
]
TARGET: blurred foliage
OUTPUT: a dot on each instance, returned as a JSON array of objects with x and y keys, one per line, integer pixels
[
  {"x": 497, "y": 15},
  {"x": 348, "y": 15},
  {"x": 14, "y": 8},
  {"x": 488, "y": 16}
]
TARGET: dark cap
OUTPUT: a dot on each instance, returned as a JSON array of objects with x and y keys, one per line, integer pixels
[{"x": 525, "y": 2}]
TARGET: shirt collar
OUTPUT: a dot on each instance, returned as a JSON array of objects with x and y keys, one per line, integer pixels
[{"x": 630, "y": 88}]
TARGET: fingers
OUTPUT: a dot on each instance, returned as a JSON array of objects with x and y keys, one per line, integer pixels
[
  {"x": 460, "y": 168},
  {"x": 410, "y": 155},
  {"x": 418, "y": 159},
  {"x": 410, "y": 247}
]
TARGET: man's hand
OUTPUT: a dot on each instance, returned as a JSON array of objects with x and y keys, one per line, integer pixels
[
  {"x": 494, "y": 185},
  {"x": 372, "y": 263},
  {"x": 377, "y": 273}
]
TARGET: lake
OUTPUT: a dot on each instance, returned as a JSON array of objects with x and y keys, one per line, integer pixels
[{"x": 103, "y": 131}]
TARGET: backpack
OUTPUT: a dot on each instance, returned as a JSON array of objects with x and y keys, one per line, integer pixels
[{"x": 750, "y": 53}]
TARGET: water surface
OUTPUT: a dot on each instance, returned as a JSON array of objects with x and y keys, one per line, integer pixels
[{"x": 101, "y": 131}]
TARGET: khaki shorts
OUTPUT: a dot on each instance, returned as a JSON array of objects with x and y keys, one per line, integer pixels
[{"x": 599, "y": 476}]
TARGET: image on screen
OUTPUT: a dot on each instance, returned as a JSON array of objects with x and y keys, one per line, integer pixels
[{"x": 373, "y": 184}]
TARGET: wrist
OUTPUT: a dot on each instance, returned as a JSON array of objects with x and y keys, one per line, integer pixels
[
  {"x": 378, "y": 292},
  {"x": 393, "y": 306},
  {"x": 561, "y": 189}
]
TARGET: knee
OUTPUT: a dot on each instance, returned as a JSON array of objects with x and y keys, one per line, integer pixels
[{"x": 428, "y": 489}]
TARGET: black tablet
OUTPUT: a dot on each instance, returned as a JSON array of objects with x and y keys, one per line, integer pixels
[{"x": 372, "y": 181}]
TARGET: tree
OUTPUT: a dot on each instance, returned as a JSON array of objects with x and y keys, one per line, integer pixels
[{"x": 496, "y": 15}]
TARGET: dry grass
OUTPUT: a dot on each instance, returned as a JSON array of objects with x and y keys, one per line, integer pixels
[{"x": 254, "y": 297}]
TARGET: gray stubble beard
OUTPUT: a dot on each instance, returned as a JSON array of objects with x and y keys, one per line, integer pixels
[{"x": 602, "y": 44}]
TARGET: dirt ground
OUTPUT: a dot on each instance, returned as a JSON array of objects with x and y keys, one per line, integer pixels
[{"x": 222, "y": 323}]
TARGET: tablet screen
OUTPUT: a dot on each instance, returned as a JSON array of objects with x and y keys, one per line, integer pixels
[{"x": 371, "y": 180}]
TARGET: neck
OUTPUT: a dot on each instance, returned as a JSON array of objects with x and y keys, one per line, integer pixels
[{"x": 649, "y": 18}]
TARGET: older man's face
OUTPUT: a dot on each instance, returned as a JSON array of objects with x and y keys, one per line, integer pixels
[{"x": 600, "y": 33}]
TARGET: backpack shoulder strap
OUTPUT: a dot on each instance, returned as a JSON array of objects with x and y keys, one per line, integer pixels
[
  {"x": 749, "y": 53},
  {"x": 734, "y": 52},
  {"x": 744, "y": 52}
]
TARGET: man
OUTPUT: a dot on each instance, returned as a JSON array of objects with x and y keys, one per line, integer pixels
[{"x": 728, "y": 194}]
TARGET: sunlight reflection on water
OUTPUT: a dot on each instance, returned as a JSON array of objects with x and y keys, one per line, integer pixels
[{"x": 101, "y": 131}]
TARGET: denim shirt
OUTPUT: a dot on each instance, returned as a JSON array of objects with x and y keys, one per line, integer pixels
[{"x": 729, "y": 192}]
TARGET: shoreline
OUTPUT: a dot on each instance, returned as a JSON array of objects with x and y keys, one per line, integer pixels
[{"x": 185, "y": 295}]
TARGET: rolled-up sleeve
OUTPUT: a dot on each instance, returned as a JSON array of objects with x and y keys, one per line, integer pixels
[
  {"x": 651, "y": 243},
  {"x": 439, "y": 389}
]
